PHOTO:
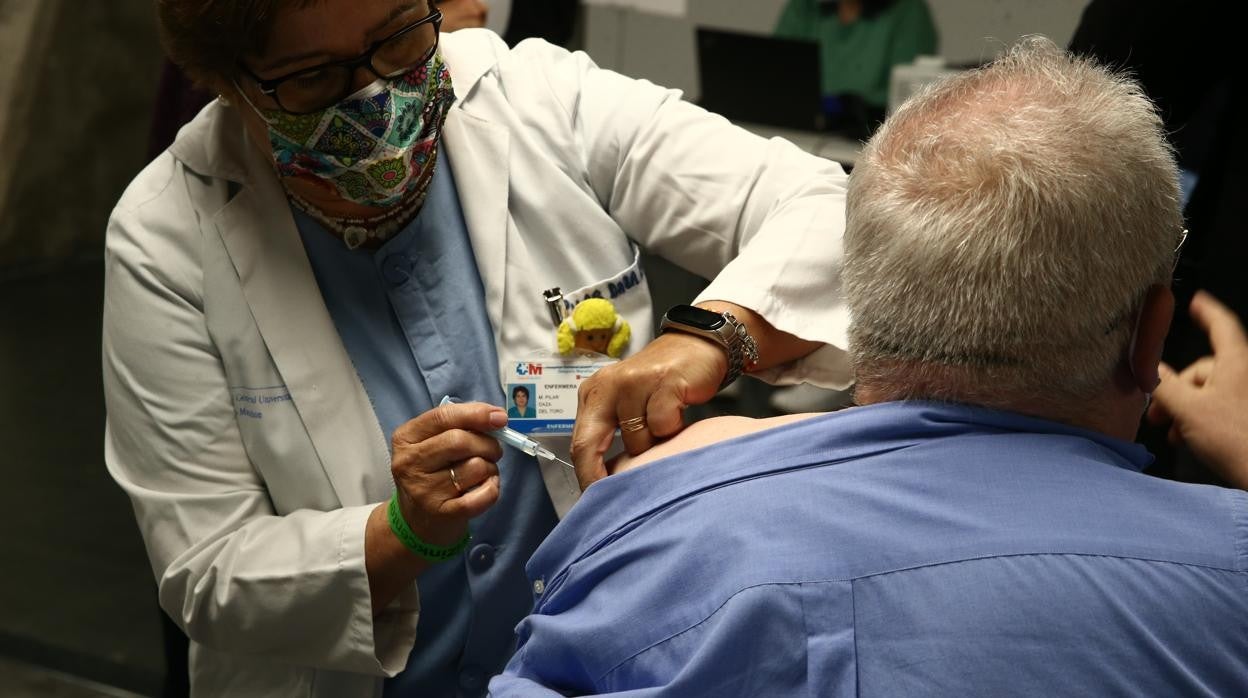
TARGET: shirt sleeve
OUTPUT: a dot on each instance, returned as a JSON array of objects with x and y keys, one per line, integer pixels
[
  {"x": 755, "y": 643},
  {"x": 761, "y": 218},
  {"x": 232, "y": 572}
]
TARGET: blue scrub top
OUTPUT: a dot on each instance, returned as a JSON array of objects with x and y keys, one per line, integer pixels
[{"x": 412, "y": 317}]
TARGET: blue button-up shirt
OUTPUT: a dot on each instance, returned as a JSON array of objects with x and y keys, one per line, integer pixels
[
  {"x": 412, "y": 318},
  {"x": 893, "y": 550}
]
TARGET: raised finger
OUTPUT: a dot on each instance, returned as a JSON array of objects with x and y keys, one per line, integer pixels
[
  {"x": 1171, "y": 398},
  {"x": 1225, "y": 331},
  {"x": 470, "y": 416},
  {"x": 1198, "y": 372}
]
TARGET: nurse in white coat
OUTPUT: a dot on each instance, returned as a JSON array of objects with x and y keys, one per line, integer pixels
[{"x": 367, "y": 218}]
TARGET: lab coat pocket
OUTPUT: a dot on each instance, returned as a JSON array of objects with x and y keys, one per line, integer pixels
[{"x": 628, "y": 292}]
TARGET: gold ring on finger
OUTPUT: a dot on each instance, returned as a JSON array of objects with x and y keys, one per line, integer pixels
[
  {"x": 455, "y": 481},
  {"x": 629, "y": 426}
]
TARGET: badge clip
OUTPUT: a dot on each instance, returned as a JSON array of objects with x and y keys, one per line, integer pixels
[{"x": 554, "y": 303}]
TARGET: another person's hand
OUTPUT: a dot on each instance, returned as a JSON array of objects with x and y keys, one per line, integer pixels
[
  {"x": 1206, "y": 404},
  {"x": 445, "y": 468},
  {"x": 655, "y": 386},
  {"x": 462, "y": 14}
]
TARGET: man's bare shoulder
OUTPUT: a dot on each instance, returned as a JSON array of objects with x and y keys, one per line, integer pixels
[{"x": 705, "y": 433}]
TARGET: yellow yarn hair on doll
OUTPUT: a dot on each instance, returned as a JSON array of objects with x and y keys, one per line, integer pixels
[{"x": 594, "y": 326}]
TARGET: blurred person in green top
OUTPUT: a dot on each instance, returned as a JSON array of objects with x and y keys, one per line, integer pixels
[{"x": 860, "y": 41}]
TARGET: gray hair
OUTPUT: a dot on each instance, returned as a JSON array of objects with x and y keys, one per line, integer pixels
[{"x": 1003, "y": 228}]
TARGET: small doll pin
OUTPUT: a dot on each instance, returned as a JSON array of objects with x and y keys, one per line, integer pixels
[{"x": 594, "y": 326}]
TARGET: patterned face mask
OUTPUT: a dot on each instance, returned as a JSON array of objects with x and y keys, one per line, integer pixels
[{"x": 375, "y": 147}]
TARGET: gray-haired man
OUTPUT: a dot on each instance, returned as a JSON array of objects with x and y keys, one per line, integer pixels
[{"x": 979, "y": 526}]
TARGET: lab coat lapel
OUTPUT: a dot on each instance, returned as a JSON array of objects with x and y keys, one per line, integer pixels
[
  {"x": 286, "y": 302},
  {"x": 479, "y": 154}
]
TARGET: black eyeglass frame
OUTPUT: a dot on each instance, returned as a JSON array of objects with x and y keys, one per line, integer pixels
[{"x": 269, "y": 87}]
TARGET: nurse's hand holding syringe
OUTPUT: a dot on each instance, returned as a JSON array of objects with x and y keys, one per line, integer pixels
[{"x": 445, "y": 472}]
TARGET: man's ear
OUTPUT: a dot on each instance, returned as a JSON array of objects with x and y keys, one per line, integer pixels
[{"x": 1149, "y": 338}]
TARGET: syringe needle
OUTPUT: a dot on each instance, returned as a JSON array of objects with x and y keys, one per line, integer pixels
[{"x": 547, "y": 453}]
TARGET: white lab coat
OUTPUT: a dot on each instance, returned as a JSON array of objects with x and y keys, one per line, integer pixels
[{"x": 255, "y": 526}]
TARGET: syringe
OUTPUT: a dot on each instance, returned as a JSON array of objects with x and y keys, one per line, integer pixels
[{"x": 519, "y": 441}]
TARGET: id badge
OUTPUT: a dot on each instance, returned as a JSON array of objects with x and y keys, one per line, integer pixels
[{"x": 541, "y": 390}]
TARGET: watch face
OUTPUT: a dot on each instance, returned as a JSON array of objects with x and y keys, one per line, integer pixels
[{"x": 695, "y": 317}]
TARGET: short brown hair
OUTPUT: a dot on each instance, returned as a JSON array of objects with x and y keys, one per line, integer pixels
[{"x": 208, "y": 38}]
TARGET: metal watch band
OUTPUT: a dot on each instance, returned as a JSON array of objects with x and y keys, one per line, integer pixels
[
  {"x": 742, "y": 349},
  {"x": 732, "y": 335}
]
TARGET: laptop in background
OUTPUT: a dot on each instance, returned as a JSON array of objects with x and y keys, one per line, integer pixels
[{"x": 760, "y": 79}]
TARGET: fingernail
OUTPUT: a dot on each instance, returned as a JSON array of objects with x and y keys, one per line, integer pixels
[{"x": 498, "y": 419}]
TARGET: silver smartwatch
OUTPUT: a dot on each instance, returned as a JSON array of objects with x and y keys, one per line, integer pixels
[{"x": 721, "y": 328}]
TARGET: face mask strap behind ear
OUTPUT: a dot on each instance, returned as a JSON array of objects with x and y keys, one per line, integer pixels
[{"x": 247, "y": 99}]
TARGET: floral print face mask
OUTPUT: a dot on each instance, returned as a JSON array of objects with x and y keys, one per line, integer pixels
[{"x": 375, "y": 147}]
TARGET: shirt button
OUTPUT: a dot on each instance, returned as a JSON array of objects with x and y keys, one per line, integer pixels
[
  {"x": 539, "y": 587},
  {"x": 481, "y": 557},
  {"x": 472, "y": 679},
  {"x": 397, "y": 269}
]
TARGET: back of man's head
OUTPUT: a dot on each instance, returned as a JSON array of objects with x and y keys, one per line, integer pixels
[{"x": 1004, "y": 228}]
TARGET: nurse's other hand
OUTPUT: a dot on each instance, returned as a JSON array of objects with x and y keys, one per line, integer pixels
[
  {"x": 1206, "y": 404},
  {"x": 462, "y": 14},
  {"x": 435, "y": 501},
  {"x": 656, "y": 385}
]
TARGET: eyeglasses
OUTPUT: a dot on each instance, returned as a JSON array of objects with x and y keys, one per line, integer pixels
[
  {"x": 1177, "y": 249},
  {"x": 313, "y": 89}
]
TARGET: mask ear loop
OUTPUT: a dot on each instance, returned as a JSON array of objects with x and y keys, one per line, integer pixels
[{"x": 246, "y": 99}]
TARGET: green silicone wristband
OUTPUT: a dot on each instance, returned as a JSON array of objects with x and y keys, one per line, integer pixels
[{"x": 428, "y": 551}]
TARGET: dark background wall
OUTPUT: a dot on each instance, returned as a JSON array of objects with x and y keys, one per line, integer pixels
[
  {"x": 82, "y": 102},
  {"x": 76, "y": 594}
]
